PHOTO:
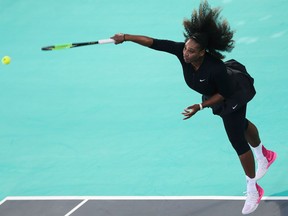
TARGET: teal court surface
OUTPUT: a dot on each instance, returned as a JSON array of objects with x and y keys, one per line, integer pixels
[{"x": 99, "y": 128}]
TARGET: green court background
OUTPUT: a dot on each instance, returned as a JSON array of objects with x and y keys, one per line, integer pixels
[{"x": 106, "y": 120}]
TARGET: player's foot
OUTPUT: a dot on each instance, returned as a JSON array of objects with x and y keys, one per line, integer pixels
[
  {"x": 252, "y": 201},
  {"x": 264, "y": 164}
]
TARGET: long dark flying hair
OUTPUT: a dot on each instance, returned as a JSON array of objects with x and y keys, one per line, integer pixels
[{"x": 208, "y": 29}]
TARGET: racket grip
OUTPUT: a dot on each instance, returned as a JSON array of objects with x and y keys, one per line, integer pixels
[{"x": 104, "y": 41}]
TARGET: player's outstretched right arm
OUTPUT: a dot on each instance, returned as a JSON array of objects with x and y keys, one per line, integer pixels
[{"x": 139, "y": 39}]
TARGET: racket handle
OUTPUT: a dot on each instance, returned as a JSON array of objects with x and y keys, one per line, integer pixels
[{"x": 104, "y": 41}]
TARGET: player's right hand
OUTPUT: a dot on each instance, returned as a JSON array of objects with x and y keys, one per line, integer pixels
[{"x": 119, "y": 38}]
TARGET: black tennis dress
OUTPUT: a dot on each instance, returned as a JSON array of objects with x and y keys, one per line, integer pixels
[{"x": 230, "y": 79}]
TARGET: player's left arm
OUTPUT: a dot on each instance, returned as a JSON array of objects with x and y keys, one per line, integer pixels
[
  {"x": 192, "y": 110},
  {"x": 224, "y": 90}
]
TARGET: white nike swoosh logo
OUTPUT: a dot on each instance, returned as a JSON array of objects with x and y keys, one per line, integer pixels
[
  {"x": 234, "y": 107},
  {"x": 202, "y": 80}
]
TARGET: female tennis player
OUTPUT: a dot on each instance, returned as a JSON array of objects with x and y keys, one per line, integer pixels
[{"x": 226, "y": 87}]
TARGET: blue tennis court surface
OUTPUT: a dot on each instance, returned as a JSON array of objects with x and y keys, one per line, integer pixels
[{"x": 106, "y": 120}]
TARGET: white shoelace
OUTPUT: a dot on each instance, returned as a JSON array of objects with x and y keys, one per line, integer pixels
[
  {"x": 262, "y": 164},
  {"x": 252, "y": 197}
]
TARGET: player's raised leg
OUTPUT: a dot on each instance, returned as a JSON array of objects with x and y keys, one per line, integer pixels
[{"x": 264, "y": 157}]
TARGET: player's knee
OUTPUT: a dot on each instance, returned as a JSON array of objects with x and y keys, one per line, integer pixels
[{"x": 241, "y": 147}]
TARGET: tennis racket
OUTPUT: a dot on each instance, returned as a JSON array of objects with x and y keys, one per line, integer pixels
[{"x": 72, "y": 45}]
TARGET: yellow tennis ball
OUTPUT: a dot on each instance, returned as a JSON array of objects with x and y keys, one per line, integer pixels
[{"x": 6, "y": 60}]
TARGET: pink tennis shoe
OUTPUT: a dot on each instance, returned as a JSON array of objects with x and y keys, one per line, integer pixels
[
  {"x": 252, "y": 201},
  {"x": 265, "y": 163}
]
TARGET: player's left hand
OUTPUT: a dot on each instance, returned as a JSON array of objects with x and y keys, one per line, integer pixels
[{"x": 190, "y": 111}]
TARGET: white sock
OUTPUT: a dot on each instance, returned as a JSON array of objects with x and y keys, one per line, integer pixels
[
  {"x": 251, "y": 184},
  {"x": 258, "y": 151}
]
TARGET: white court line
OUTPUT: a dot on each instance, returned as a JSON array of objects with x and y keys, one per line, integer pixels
[
  {"x": 76, "y": 207},
  {"x": 87, "y": 198},
  {"x": 4, "y": 200}
]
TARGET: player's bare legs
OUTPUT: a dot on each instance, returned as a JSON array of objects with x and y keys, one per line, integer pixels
[{"x": 264, "y": 158}]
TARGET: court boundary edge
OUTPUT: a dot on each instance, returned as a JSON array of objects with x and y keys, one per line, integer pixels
[{"x": 43, "y": 198}]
